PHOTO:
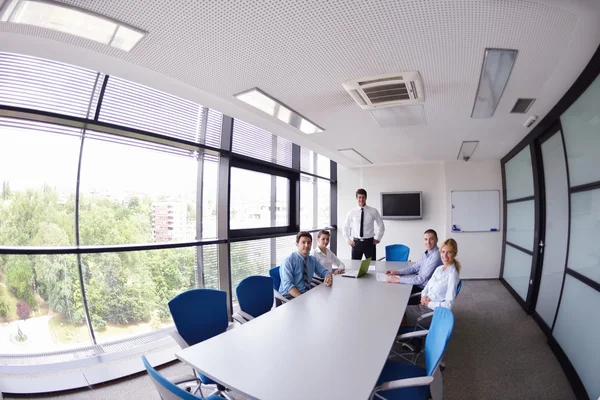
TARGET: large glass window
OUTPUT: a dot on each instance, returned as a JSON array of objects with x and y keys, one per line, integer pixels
[
  {"x": 41, "y": 308},
  {"x": 135, "y": 192},
  {"x": 315, "y": 196},
  {"x": 38, "y": 173},
  {"x": 519, "y": 175},
  {"x": 581, "y": 126},
  {"x": 258, "y": 200},
  {"x": 260, "y": 144},
  {"x": 584, "y": 254}
]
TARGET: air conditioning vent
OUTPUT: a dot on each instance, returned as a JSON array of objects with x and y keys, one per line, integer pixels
[
  {"x": 389, "y": 90},
  {"x": 522, "y": 106}
]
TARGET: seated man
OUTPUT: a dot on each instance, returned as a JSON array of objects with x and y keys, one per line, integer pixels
[
  {"x": 325, "y": 256},
  {"x": 298, "y": 268},
  {"x": 423, "y": 268}
]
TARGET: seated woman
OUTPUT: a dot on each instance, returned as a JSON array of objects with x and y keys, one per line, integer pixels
[
  {"x": 440, "y": 291},
  {"x": 326, "y": 256}
]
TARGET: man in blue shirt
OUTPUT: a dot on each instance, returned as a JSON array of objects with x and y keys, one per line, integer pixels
[
  {"x": 424, "y": 268},
  {"x": 298, "y": 268}
]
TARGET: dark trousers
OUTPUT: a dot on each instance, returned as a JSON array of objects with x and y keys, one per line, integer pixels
[
  {"x": 366, "y": 247},
  {"x": 412, "y": 301}
]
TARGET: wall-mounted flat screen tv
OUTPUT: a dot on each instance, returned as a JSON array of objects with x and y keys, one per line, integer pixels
[{"x": 401, "y": 205}]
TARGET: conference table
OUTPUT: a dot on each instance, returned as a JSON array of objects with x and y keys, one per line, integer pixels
[{"x": 329, "y": 343}]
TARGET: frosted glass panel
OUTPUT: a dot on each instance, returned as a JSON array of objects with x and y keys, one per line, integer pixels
[
  {"x": 517, "y": 269},
  {"x": 584, "y": 252},
  {"x": 581, "y": 126},
  {"x": 520, "y": 222},
  {"x": 576, "y": 331},
  {"x": 557, "y": 227},
  {"x": 519, "y": 175}
]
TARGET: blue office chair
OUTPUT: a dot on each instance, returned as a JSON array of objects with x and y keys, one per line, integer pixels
[
  {"x": 396, "y": 252},
  {"x": 274, "y": 273},
  {"x": 255, "y": 297},
  {"x": 199, "y": 314},
  {"x": 408, "y": 381},
  {"x": 167, "y": 389}
]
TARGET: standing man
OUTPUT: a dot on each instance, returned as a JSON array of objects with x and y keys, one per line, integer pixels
[
  {"x": 297, "y": 269},
  {"x": 424, "y": 268},
  {"x": 359, "y": 228}
]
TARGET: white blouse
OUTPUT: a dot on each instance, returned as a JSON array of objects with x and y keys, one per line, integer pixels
[
  {"x": 328, "y": 260},
  {"x": 441, "y": 288}
]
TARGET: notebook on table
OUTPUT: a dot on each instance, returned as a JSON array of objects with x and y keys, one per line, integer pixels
[{"x": 364, "y": 268}]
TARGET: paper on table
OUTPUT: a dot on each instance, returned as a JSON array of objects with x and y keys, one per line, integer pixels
[
  {"x": 381, "y": 277},
  {"x": 371, "y": 268}
]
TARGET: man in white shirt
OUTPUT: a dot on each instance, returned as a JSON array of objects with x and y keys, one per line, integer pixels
[
  {"x": 326, "y": 256},
  {"x": 423, "y": 268},
  {"x": 359, "y": 228}
]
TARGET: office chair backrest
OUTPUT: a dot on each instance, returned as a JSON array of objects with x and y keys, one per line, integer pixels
[
  {"x": 167, "y": 389},
  {"x": 438, "y": 337},
  {"x": 274, "y": 273},
  {"x": 255, "y": 295},
  {"x": 199, "y": 314},
  {"x": 396, "y": 252}
]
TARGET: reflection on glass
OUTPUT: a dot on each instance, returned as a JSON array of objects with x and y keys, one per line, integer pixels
[
  {"x": 584, "y": 253},
  {"x": 132, "y": 194},
  {"x": 38, "y": 172},
  {"x": 258, "y": 200},
  {"x": 40, "y": 304},
  {"x": 517, "y": 270},
  {"x": 519, "y": 175},
  {"x": 128, "y": 292},
  {"x": 581, "y": 124},
  {"x": 520, "y": 222}
]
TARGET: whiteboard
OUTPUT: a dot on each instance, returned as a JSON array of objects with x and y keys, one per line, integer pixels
[{"x": 475, "y": 210}]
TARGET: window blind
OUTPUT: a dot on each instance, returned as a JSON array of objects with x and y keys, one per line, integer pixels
[{"x": 257, "y": 143}]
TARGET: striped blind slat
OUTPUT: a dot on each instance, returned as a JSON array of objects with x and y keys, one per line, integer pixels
[
  {"x": 211, "y": 266},
  {"x": 6, "y": 122},
  {"x": 140, "y": 144},
  {"x": 257, "y": 143},
  {"x": 46, "y": 85}
]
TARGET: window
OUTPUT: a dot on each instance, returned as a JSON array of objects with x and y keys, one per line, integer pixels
[
  {"x": 314, "y": 202},
  {"x": 132, "y": 105},
  {"x": 313, "y": 163},
  {"x": 38, "y": 172},
  {"x": 257, "y": 143},
  {"x": 45, "y": 85},
  {"x": 136, "y": 192},
  {"x": 258, "y": 200},
  {"x": 41, "y": 308}
]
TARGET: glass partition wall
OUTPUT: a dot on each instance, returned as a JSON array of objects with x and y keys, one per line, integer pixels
[
  {"x": 551, "y": 263},
  {"x": 128, "y": 197}
]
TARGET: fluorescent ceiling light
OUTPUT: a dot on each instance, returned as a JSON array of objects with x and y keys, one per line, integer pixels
[
  {"x": 355, "y": 156},
  {"x": 497, "y": 64},
  {"x": 267, "y": 104},
  {"x": 467, "y": 148},
  {"x": 74, "y": 21}
]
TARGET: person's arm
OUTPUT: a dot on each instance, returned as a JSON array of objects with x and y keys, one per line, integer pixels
[
  {"x": 426, "y": 269},
  {"x": 323, "y": 273},
  {"x": 380, "y": 227},
  {"x": 425, "y": 291},
  {"x": 286, "y": 272},
  {"x": 413, "y": 269},
  {"x": 347, "y": 230},
  {"x": 448, "y": 301},
  {"x": 337, "y": 262}
]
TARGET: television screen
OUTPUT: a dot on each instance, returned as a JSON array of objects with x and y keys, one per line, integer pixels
[{"x": 401, "y": 205}]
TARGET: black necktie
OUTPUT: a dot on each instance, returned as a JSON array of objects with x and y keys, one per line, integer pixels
[
  {"x": 305, "y": 276},
  {"x": 362, "y": 222}
]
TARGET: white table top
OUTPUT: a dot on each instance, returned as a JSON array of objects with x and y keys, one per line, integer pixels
[{"x": 327, "y": 344}]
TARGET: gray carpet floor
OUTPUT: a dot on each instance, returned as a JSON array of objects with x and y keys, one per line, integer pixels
[{"x": 496, "y": 352}]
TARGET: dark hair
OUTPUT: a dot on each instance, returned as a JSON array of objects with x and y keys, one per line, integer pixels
[
  {"x": 431, "y": 231},
  {"x": 361, "y": 191},
  {"x": 301, "y": 234},
  {"x": 323, "y": 232}
]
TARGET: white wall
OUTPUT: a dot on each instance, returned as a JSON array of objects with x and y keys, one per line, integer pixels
[{"x": 479, "y": 252}]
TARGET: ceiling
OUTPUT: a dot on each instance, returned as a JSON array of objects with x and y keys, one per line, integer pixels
[{"x": 301, "y": 51}]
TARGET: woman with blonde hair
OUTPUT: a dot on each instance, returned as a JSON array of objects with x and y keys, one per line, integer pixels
[{"x": 440, "y": 291}]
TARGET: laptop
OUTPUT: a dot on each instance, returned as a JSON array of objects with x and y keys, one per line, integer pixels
[{"x": 364, "y": 268}]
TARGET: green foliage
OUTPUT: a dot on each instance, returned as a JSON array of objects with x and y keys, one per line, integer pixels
[
  {"x": 3, "y": 306},
  {"x": 19, "y": 278}
]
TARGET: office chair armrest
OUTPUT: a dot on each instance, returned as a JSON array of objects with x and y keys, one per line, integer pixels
[
  {"x": 404, "y": 383},
  {"x": 411, "y": 335},
  {"x": 245, "y": 315},
  {"x": 179, "y": 340},
  {"x": 280, "y": 296},
  {"x": 422, "y": 317},
  {"x": 179, "y": 379},
  {"x": 381, "y": 259},
  {"x": 238, "y": 318},
  {"x": 415, "y": 295}
]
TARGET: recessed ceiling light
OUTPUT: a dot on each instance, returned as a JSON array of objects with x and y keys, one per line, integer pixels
[
  {"x": 497, "y": 64},
  {"x": 74, "y": 21},
  {"x": 355, "y": 156},
  {"x": 467, "y": 148},
  {"x": 267, "y": 104}
]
